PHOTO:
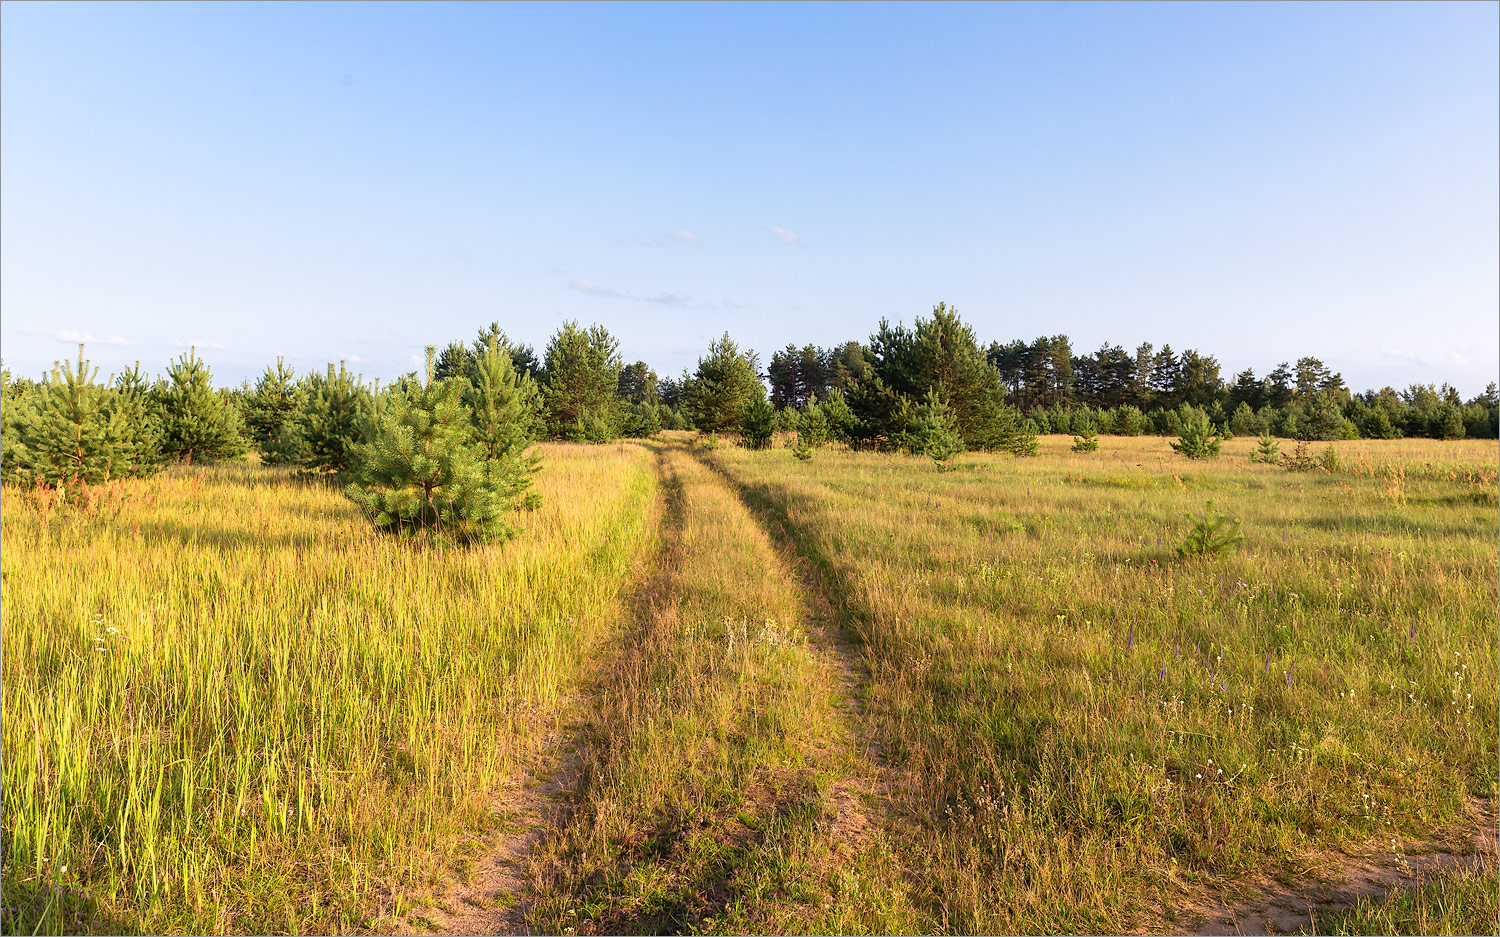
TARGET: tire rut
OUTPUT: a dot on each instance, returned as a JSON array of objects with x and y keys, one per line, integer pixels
[
  {"x": 833, "y": 632},
  {"x": 498, "y": 897}
]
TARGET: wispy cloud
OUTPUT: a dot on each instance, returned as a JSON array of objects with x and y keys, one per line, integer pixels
[
  {"x": 669, "y": 299},
  {"x": 199, "y": 343},
  {"x": 1402, "y": 355},
  {"x": 662, "y": 298},
  {"x": 594, "y": 289},
  {"x": 686, "y": 237},
  {"x": 785, "y": 236},
  {"x": 73, "y": 337},
  {"x": 1460, "y": 359},
  {"x": 352, "y": 359}
]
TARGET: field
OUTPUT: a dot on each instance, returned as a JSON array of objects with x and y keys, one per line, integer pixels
[{"x": 719, "y": 690}]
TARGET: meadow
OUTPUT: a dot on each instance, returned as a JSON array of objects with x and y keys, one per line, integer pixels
[{"x": 849, "y": 694}]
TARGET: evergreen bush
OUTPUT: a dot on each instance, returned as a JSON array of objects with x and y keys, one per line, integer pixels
[
  {"x": 197, "y": 424},
  {"x": 1024, "y": 443},
  {"x": 426, "y": 468},
  {"x": 1211, "y": 534},
  {"x": 1196, "y": 439}
]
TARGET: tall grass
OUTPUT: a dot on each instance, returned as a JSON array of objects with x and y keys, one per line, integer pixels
[
  {"x": 1092, "y": 729},
  {"x": 230, "y": 705}
]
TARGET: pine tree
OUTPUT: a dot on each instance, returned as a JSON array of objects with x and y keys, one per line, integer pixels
[
  {"x": 716, "y": 395},
  {"x": 139, "y": 439},
  {"x": 17, "y": 401},
  {"x": 269, "y": 411},
  {"x": 423, "y": 471},
  {"x": 1196, "y": 439},
  {"x": 197, "y": 425},
  {"x": 936, "y": 430},
  {"x": 503, "y": 406},
  {"x": 939, "y": 354},
  {"x": 1269, "y": 451},
  {"x": 69, "y": 438},
  {"x": 331, "y": 420},
  {"x": 1087, "y": 439},
  {"x": 580, "y": 377},
  {"x": 757, "y": 421},
  {"x": 1024, "y": 443}
]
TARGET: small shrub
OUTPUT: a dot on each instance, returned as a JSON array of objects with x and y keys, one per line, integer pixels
[
  {"x": 1329, "y": 461},
  {"x": 1211, "y": 534},
  {"x": 757, "y": 423},
  {"x": 1300, "y": 460},
  {"x": 803, "y": 451},
  {"x": 1087, "y": 439},
  {"x": 711, "y": 441},
  {"x": 1197, "y": 438},
  {"x": 1269, "y": 451},
  {"x": 1023, "y": 444}
]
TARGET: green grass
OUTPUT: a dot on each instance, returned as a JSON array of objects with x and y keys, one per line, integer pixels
[
  {"x": 1092, "y": 728},
  {"x": 1462, "y": 901},
  {"x": 232, "y": 706}
]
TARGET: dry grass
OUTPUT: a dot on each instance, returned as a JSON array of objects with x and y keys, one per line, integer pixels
[
  {"x": 720, "y": 795},
  {"x": 232, "y": 706},
  {"x": 1097, "y": 730}
]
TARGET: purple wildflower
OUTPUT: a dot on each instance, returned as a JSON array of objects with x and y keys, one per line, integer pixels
[{"x": 1130, "y": 639}]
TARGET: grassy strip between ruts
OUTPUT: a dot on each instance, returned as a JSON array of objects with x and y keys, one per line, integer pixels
[
  {"x": 231, "y": 706},
  {"x": 718, "y": 794},
  {"x": 1094, "y": 730}
]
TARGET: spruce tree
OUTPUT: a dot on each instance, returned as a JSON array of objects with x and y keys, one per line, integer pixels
[
  {"x": 424, "y": 471},
  {"x": 197, "y": 424}
]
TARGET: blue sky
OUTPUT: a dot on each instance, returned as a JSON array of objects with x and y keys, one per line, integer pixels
[{"x": 355, "y": 181}]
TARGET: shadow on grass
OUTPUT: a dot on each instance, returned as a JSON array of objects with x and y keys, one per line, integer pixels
[{"x": 40, "y": 907}]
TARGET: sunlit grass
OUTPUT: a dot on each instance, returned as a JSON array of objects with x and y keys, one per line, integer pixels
[
  {"x": 1092, "y": 728},
  {"x": 721, "y": 751},
  {"x": 230, "y": 705}
]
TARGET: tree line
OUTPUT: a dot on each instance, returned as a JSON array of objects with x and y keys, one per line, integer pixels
[{"x": 447, "y": 448}]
